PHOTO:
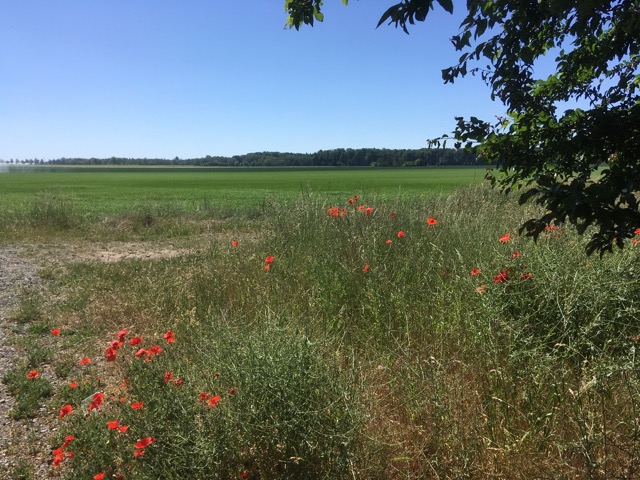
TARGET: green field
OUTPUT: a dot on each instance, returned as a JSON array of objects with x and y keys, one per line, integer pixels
[{"x": 108, "y": 190}]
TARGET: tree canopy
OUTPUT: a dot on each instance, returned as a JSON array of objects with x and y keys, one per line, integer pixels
[{"x": 569, "y": 141}]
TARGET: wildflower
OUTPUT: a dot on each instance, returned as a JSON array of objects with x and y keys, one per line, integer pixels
[
  {"x": 156, "y": 349},
  {"x": 401, "y": 234},
  {"x": 368, "y": 211},
  {"x": 431, "y": 221},
  {"x": 178, "y": 381},
  {"x": 99, "y": 476},
  {"x": 121, "y": 334},
  {"x": 637, "y": 231},
  {"x": 234, "y": 243},
  {"x": 361, "y": 208},
  {"x": 123, "y": 428},
  {"x": 351, "y": 201},
  {"x": 65, "y": 410},
  {"x": 366, "y": 268},
  {"x": 213, "y": 401},
  {"x": 516, "y": 254},
  {"x": 138, "y": 453},
  {"x": 392, "y": 215},
  {"x": 110, "y": 354},
  {"x": 168, "y": 376},
  {"x": 388, "y": 241},
  {"x": 55, "y": 332},
  {"x": 67, "y": 440},
  {"x": 269, "y": 259},
  {"x": 503, "y": 276},
  {"x": 141, "y": 352},
  {"x": 135, "y": 341},
  {"x": 33, "y": 374},
  {"x": 475, "y": 271},
  {"x": 232, "y": 391},
  {"x": 526, "y": 276},
  {"x": 73, "y": 384},
  {"x": 96, "y": 401},
  {"x": 144, "y": 442},
  {"x": 137, "y": 405},
  {"x": 267, "y": 267},
  {"x": 113, "y": 424},
  {"x": 170, "y": 337},
  {"x": 505, "y": 238},
  {"x": 204, "y": 396},
  {"x": 85, "y": 361}
]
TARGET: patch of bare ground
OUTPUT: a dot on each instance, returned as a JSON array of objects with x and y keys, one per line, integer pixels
[{"x": 28, "y": 441}]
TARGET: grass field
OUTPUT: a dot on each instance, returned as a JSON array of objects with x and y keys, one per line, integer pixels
[{"x": 407, "y": 333}]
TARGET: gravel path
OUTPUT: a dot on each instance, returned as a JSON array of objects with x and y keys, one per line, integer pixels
[{"x": 20, "y": 440}]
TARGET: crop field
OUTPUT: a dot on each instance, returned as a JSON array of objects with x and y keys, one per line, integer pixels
[{"x": 315, "y": 324}]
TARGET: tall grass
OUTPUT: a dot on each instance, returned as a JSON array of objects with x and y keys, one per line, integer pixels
[{"x": 352, "y": 356}]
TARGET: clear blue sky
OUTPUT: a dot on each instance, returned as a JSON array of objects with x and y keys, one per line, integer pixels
[{"x": 167, "y": 78}]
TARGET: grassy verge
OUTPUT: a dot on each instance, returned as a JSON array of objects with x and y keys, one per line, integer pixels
[{"x": 399, "y": 339}]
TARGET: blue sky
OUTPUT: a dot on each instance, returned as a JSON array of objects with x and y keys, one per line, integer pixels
[{"x": 165, "y": 78}]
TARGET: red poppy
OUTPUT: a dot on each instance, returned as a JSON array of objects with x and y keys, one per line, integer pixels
[
  {"x": 503, "y": 276},
  {"x": 121, "y": 334},
  {"x": 141, "y": 352},
  {"x": 269, "y": 259},
  {"x": 156, "y": 349},
  {"x": 170, "y": 337},
  {"x": 366, "y": 268},
  {"x": 113, "y": 424},
  {"x": 137, "y": 405},
  {"x": 110, "y": 354},
  {"x": 368, "y": 211},
  {"x": 96, "y": 401},
  {"x": 178, "y": 382},
  {"x": 267, "y": 267},
  {"x": 637, "y": 231},
  {"x": 213, "y": 401},
  {"x": 351, "y": 200},
  {"x": 392, "y": 215},
  {"x": 475, "y": 271},
  {"x": 204, "y": 396},
  {"x": 401, "y": 234},
  {"x": 361, "y": 208},
  {"x": 73, "y": 384},
  {"x": 388, "y": 242},
  {"x": 168, "y": 376},
  {"x": 516, "y": 254},
  {"x": 33, "y": 374},
  {"x": 55, "y": 332},
  {"x": 99, "y": 476},
  {"x": 85, "y": 361},
  {"x": 431, "y": 221},
  {"x": 526, "y": 276},
  {"x": 144, "y": 442},
  {"x": 123, "y": 428},
  {"x": 234, "y": 243},
  {"x": 232, "y": 391},
  {"x": 67, "y": 440},
  {"x": 135, "y": 341},
  {"x": 138, "y": 453},
  {"x": 505, "y": 238},
  {"x": 65, "y": 410}
]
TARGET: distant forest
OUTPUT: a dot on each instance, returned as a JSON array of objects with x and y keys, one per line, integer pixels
[{"x": 339, "y": 157}]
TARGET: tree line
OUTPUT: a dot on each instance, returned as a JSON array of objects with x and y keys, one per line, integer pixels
[{"x": 339, "y": 157}]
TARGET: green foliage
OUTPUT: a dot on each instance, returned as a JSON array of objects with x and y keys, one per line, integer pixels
[{"x": 29, "y": 394}]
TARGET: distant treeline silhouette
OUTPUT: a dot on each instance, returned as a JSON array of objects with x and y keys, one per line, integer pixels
[{"x": 339, "y": 157}]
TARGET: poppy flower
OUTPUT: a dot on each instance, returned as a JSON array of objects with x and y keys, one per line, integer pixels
[
  {"x": 141, "y": 352},
  {"x": 96, "y": 401},
  {"x": 234, "y": 243},
  {"x": 475, "y": 271},
  {"x": 267, "y": 267},
  {"x": 637, "y": 231},
  {"x": 392, "y": 215},
  {"x": 401, "y": 234},
  {"x": 33, "y": 374},
  {"x": 526, "y": 276},
  {"x": 170, "y": 337},
  {"x": 505, "y": 238},
  {"x": 388, "y": 242},
  {"x": 135, "y": 341},
  {"x": 99, "y": 476},
  {"x": 138, "y": 453},
  {"x": 156, "y": 349},
  {"x": 110, "y": 354},
  {"x": 123, "y": 428},
  {"x": 65, "y": 410},
  {"x": 55, "y": 332},
  {"x": 503, "y": 276},
  {"x": 431, "y": 221},
  {"x": 121, "y": 334},
  {"x": 366, "y": 268},
  {"x": 113, "y": 424},
  {"x": 213, "y": 401},
  {"x": 361, "y": 208},
  {"x": 137, "y": 405},
  {"x": 168, "y": 376},
  {"x": 368, "y": 211},
  {"x": 144, "y": 442},
  {"x": 269, "y": 259},
  {"x": 85, "y": 361},
  {"x": 73, "y": 384},
  {"x": 67, "y": 440},
  {"x": 178, "y": 382},
  {"x": 516, "y": 254},
  {"x": 232, "y": 391}
]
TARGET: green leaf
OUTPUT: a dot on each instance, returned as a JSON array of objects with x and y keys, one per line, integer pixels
[{"x": 447, "y": 5}]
